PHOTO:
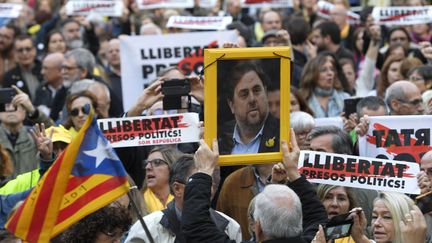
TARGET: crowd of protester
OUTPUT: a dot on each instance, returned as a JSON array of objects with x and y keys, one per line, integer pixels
[{"x": 59, "y": 65}]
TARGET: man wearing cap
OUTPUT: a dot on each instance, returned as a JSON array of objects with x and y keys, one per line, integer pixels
[{"x": 60, "y": 138}]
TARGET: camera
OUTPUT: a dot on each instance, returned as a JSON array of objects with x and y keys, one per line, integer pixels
[
  {"x": 6, "y": 96},
  {"x": 338, "y": 227},
  {"x": 176, "y": 94}
]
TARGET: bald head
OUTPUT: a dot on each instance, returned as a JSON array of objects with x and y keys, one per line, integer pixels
[
  {"x": 101, "y": 92},
  {"x": 51, "y": 69},
  {"x": 339, "y": 15},
  {"x": 113, "y": 53},
  {"x": 404, "y": 98},
  {"x": 271, "y": 20}
]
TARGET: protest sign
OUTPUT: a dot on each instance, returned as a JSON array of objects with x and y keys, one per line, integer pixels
[
  {"x": 324, "y": 8},
  {"x": 143, "y": 56},
  {"x": 113, "y": 8},
  {"x": 329, "y": 121},
  {"x": 151, "y": 130},
  {"x": 404, "y": 138},
  {"x": 359, "y": 172},
  {"x": 199, "y": 23},
  {"x": 207, "y": 3},
  {"x": 267, "y": 3},
  {"x": 10, "y": 10},
  {"x": 402, "y": 15},
  {"x": 151, "y": 4}
]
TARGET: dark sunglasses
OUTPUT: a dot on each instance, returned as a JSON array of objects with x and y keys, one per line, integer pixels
[
  {"x": 154, "y": 163},
  {"x": 85, "y": 110}
]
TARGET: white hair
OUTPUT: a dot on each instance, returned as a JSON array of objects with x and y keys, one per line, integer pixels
[
  {"x": 80, "y": 86},
  {"x": 154, "y": 29},
  {"x": 279, "y": 211},
  {"x": 301, "y": 121}
]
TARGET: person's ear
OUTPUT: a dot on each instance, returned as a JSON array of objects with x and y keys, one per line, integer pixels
[
  {"x": 178, "y": 189},
  {"x": 258, "y": 231},
  {"x": 231, "y": 105},
  {"x": 394, "y": 105},
  {"x": 84, "y": 73}
]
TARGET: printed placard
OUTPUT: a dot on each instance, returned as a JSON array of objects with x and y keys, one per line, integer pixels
[
  {"x": 402, "y": 15},
  {"x": 405, "y": 138},
  {"x": 199, "y": 23},
  {"x": 324, "y": 8},
  {"x": 151, "y": 4},
  {"x": 10, "y": 10},
  {"x": 207, "y": 3},
  {"x": 142, "y": 57},
  {"x": 113, "y": 8},
  {"x": 359, "y": 172},
  {"x": 151, "y": 130},
  {"x": 267, "y": 3}
]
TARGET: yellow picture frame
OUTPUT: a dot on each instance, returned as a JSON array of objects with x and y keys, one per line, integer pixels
[{"x": 211, "y": 57}]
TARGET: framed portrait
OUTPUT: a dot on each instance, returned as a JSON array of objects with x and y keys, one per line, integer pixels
[{"x": 246, "y": 105}]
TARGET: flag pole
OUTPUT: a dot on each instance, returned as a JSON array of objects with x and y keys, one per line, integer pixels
[{"x": 143, "y": 224}]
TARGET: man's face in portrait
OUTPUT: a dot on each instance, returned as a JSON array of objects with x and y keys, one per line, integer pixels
[{"x": 249, "y": 103}]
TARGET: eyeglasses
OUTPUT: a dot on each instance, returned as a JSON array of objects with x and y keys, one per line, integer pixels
[
  {"x": 398, "y": 39},
  {"x": 153, "y": 163},
  {"x": 84, "y": 109},
  {"x": 415, "y": 79},
  {"x": 24, "y": 49},
  {"x": 415, "y": 102},
  {"x": 67, "y": 68}
]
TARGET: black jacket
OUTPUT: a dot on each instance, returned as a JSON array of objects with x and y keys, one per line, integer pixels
[{"x": 198, "y": 227}]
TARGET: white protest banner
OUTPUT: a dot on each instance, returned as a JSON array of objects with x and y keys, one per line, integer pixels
[
  {"x": 329, "y": 121},
  {"x": 359, "y": 172},
  {"x": 151, "y": 130},
  {"x": 150, "y": 4},
  {"x": 113, "y": 8},
  {"x": 402, "y": 15},
  {"x": 10, "y": 10},
  {"x": 267, "y": 3},
  {"x": 143, "y": 56},
  {"x": 207, "y": 3},
  {"x": 404, "y": 138},
  {"x": 324, "y": 8},
  {"x": 199, "y": 23}
]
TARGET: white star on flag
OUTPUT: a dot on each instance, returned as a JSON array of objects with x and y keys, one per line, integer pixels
[{"x": 101, "y": 152}]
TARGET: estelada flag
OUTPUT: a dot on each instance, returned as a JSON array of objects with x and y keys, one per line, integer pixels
[{"x": 87, "y": 176}]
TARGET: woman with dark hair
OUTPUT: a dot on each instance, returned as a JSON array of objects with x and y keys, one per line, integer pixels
[
  {"x": 390, "y": 73},
  {"x": 55, "y": 42},
  {"x": 107, "y": 224},
  {"x": 321, "y": 87},
  {"x": 421, "y": 76},
  {"x": 78, "y": 108}
]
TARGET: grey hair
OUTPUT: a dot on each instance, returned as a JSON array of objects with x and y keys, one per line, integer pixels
[
  {"x": 279, "y": 211},
  {"x": 393, "y": 92},
  {"x": 81, "y": 86},
  {"x": 301, "y": 121},
  {"x": 83, "y": 58},
  {"x": 150, "y": 26},
  {"x": 103, "y": 86},
  {"x": 341, "y": 142}
]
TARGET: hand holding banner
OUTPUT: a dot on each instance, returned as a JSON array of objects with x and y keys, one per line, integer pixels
[{"x": 359, "y": 172}]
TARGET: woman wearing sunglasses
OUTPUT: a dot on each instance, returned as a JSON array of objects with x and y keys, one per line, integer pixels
[
  {"x": 78, "y": 107},
  {"x": 156, "y": 183}
]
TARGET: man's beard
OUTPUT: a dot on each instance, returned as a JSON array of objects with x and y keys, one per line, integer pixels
[{"x": 73, "y": 44}]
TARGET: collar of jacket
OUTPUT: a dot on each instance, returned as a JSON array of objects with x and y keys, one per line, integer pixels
[
  {"x": 248, "y": 179},
  {"x": 296, "y": 239},
  {"x": 172, "y": 223}
]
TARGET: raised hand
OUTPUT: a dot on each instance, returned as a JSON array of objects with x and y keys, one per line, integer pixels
[{"x": 43, "y": 142}]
